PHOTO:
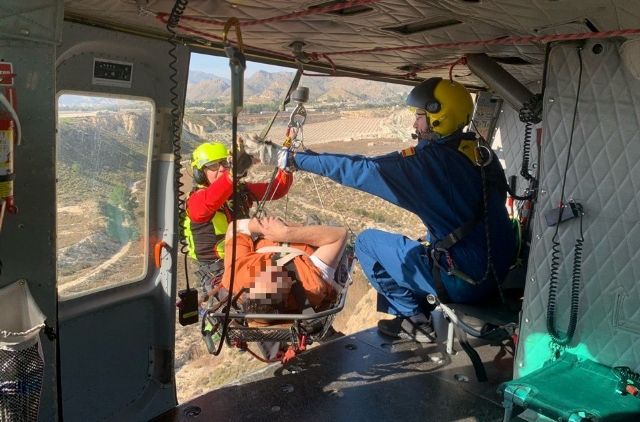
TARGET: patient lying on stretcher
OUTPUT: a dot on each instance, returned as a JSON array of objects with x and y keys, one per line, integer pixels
[{"x": 272, "y": 256}]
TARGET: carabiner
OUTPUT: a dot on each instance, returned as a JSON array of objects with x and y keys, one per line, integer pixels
[
  {"x": 483, "y": 155},
  {"x": 298, "y": 116}
]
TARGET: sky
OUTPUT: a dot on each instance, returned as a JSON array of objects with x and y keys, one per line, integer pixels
[{"x": 219, "y": 66}]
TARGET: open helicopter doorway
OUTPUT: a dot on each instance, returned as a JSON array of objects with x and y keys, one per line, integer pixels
[{"x": 343, "y": 115}]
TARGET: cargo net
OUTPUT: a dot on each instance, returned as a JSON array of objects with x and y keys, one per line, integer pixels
[
  {"x": 20, "y": 384},
  {"x": 250, "y": 334}
]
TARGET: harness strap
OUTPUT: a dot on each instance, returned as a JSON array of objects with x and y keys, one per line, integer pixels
[
  {"x": 438, "y": 285},
  {"x": 443, "y": 245},
  {"x": 288, "y": 250},
  {"x": 294, "y": 252},
  {"x": 459, "y": 233}
]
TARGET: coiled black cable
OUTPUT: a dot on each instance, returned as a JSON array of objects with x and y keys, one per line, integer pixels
[
  {"x": 176, "y": 118},
  {"x": 576, "y": 275},
  {"x": 556, "y": 336},
  {"x": 526, "y": 153}
]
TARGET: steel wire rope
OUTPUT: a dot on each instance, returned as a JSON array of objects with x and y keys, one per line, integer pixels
[
  {"x": 293, "y": 145},
  {"x": 559, "y": 339},
  {"x": 333, "y": 200},
  {"x": 237, "y": 63},
  {"x": 294, "y": 84}
]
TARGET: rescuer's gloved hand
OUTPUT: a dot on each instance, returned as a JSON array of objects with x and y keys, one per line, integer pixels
[
  {"x": 268, "y": 152},
  {"x": 244, "y": 161},
  {"x": 285, "y": 160}
]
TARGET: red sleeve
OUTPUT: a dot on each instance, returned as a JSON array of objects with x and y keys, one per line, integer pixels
[
  {"x": 203, "y": 203},
  {"x": 280, "y": 186}
]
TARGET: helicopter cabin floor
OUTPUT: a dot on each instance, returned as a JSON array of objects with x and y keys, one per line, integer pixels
[{"x": 361, "y": 377}]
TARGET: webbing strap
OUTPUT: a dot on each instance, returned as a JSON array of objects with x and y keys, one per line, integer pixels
[
  {"x": 438, "y": 285},
  {"x": 290, "y": 253},
  {"x": 459, "y": 233},
  {"x": 478, "y": 366},
  {"x": 285, "y": 101},
  {"x": 442, "y": 246}
]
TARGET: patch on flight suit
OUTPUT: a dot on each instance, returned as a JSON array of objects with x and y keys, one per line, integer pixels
[
  {"x": 408, "y": 152},
  {"x": 468, "y": 148}
]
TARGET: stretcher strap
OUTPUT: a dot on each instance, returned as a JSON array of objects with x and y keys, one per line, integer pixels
[{"x": 290, "y": 253}]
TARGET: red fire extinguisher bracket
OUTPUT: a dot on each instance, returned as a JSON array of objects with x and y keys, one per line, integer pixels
[{"x": 9, "y": 137}]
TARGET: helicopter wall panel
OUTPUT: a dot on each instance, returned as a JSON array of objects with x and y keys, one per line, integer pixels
[
  {"x": 508, "y": 144},
  {"x": 601, "y": 172},
  {"x": 35, "y": 20}
]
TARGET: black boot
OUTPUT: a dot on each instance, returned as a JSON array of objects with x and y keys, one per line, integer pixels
[{"x": 417, "y": 328}]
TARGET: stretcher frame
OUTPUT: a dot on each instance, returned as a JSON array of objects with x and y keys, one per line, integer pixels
[{"x": 239, "y": 332}]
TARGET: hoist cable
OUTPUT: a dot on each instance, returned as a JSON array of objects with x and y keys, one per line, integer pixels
[
  {"x": 285, "y": 101},
  {"x": 291, "y": 142},
  {"x": 237, "y": 63}
]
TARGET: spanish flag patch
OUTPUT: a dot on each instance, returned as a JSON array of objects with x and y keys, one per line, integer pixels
[{"x": 408, "y": 152}]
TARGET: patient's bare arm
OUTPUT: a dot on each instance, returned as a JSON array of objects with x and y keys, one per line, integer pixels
[{"x": 328, "y": 240}]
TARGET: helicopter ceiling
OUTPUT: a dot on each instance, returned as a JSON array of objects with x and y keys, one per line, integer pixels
[{"x": 398, "y": 40}]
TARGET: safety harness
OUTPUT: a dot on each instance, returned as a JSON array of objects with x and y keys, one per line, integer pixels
[{"x": 483, "y": 157}]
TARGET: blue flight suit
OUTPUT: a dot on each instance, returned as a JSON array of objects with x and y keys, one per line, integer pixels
[{"x": 441, "y": 186}]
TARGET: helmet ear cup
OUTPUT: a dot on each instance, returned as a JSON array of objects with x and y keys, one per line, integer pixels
[
  {"x": 433, "y": 107},
  {"x": 199, "y": 177}
]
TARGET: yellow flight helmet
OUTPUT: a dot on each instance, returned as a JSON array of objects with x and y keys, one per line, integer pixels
[{"x": 448, "y": 104}]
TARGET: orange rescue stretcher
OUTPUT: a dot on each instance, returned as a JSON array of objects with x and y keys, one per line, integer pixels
[{"x": 279, "y": 337}]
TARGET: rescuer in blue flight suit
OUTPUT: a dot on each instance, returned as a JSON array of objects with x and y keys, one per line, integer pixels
[{"x": 440, "y": 180}]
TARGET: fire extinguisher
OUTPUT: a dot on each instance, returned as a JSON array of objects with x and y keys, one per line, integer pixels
[{"x": 10, "y": 133}]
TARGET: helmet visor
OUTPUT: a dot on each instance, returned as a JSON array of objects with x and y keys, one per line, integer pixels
[{"x": 418, "y": 111}]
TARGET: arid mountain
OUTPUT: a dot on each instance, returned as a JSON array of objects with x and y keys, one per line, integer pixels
[{"x": 265, "y": 87}]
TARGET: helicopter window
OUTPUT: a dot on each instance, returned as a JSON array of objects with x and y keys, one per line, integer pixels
[{"x": 102, "y": 161}]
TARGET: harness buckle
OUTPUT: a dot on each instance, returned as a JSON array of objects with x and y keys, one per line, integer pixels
[
  {"x": 435, "y": 255},
  {"x": 451, "y": 266}
]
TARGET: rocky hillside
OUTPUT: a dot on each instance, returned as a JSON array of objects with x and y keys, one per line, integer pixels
[{"x": 269, "y": 88}]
